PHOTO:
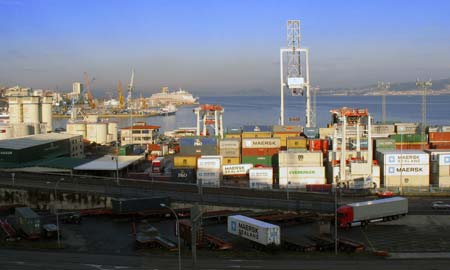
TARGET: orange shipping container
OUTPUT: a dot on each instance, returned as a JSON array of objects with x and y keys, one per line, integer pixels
[
  {"x": 259, "y": 151},
  {"x": 439, "y": 137}
]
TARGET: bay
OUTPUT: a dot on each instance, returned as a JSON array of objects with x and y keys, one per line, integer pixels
[{"x": 265, "y": 110}]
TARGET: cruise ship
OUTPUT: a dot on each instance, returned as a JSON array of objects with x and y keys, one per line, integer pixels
[{"x": 180, "y": 97}]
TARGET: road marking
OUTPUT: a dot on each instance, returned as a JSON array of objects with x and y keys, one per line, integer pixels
[
  {"x": 21, "y": 263},
  {"x": 101, "y": 267}
]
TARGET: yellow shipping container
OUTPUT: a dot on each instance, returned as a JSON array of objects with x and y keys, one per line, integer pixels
[
  {"x": 232, "y": 136},
  {"x": 256, "y": 134},
  {"x": 298, "y": 142},
  {"x": 231, "y": 160},
  {"x": 283, "y": 137},
  {"x": 185, "y": 161}
]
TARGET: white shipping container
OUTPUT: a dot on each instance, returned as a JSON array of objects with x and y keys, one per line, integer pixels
[
  {"x": 254, "y": 230},
  {"x": 301, "y": 172},
  {"x": 418, "y": 169},
  {"x": 209, "y": 177},
  {"x": 229, "y": 152},
  {"x": 236, "y": 169},
  {"x": 209, "y": 162},
  {"x": 300, "y": 182},
  {"x": 360, "y": 168},
  {"x": 261, "y": 174},
  {"x": 261, "y": 143},
  {"x": 406, "y": 180},
  {"x": 403, "y": 157},
  {"x": 375, "y": 171},
  {"x": 230, "y": 143},
  {"x": 311, "y": 159},
  {"x": 260, "y": 184}
]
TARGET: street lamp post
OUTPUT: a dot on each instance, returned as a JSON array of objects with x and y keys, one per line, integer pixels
[
  {"x": 287, "y": 190},
  {"x": 56, "y": 212},
  {"x": 178, "y": 233}
]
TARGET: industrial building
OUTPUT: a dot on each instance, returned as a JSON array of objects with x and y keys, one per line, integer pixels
[
  {"x": 109, "y": 165},
  {"x": 41, "y": 146},
  {"x": 94, "y": 131},
  {"x": 29, "y": 115},
  {"x": 139, "y": 133}
]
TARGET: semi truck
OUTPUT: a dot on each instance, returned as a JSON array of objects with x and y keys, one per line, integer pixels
[
  {"x": 255, "y": 230},
  {"x": 363, "y": 213}
]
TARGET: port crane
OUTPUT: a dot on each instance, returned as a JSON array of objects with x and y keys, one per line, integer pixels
[
  {"x": 89, "y": 97},
  {"x": 121, "y": 97},
  {"x": 209, "y": 115},
  {"x": 296, "y": 80}
]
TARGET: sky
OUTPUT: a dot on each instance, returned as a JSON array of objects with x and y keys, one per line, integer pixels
[{"x": 218, "y": 47}]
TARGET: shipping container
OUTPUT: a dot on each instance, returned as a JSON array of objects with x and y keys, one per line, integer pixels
[
  {"x": 289, "y": 158},
  {"x": 209, "y": 162},
  {"x": 255, "y": 230},
  {"x": 412, "y": 146},
  {"x": 228, "y": 152},
  {"x": 296, "y": 142},
  {"x": 209, "y": 177},
  {"x": 261, "y": 160},
  {"x": 198, "y": 150},
  {"x": 126, "y": 150},
  {"x": 439, "y": 137},
  {"x": 384, "y": 144},
  {"x": 440, "y": 145},
  {"x": 383, "y": 129},
  {"x": 184, "y": 175},
  {"x": 324, "y": 133},
  {"x": 259, "y": 151},
  {"x": 287, "y": 129},
  {"x": 261, "y": 143},
  {"x": 406, "y": 128},
  {"x": 260, "y": 177},
  {"x": 197, "y": 141},
  {"x": 409, "y": 138},
  {"x": 158, "y": 165},
  {"x": 365, "y": 212},
  {"x": 231, "y": 160},
  {"x": 283, "y": 137},
  {"x": 349, "y": 155},
  {"x": 238, "y": 169},
  {"x": 389, "y": 157},
  {"x": 124, "y": 206},
  {"x": 311, "y": 132},
  {"x": 232, "y": 136},
  {"x": 28, "y": 222},
  {"x": 301, "y": 176},
  {"x": 180, "y": 161},
  {"x": 230, "y": 143}
]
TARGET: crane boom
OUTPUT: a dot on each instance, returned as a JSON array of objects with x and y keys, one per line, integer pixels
[
  {"x": 89, "y": 96},
  {"x": 120, "y": 94}
]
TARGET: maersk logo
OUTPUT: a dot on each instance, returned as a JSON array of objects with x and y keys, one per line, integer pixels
[
  {"x": 391, "y": 159},
  {"x": 233, "y": 226},
  {"x": 391, "y": 170}
]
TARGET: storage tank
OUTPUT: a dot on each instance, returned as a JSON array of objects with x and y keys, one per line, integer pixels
[
  {"x": 112, "y": 132},
  {"x": 46, "y": 113},
  {"x": 97, "y": 132},
  {"x": 76, "y": 128},
  {"x": 22, "y": 129},
  {"x": 6, "y": 132},
  {"x": 15, "y": 110},
  {"x": 92, "y": 118},
  {"x": 31, "y": 112}
]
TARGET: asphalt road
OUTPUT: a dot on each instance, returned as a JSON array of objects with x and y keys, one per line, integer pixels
[{"x": 27, "y": 260}]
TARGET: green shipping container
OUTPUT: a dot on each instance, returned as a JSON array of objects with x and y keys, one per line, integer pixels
[
  {"x": 126, "y": 150},
  {"x": 388, "y": 144},
  {"x": 270, "y": 161},
  {"x": 409, "y": 138}
]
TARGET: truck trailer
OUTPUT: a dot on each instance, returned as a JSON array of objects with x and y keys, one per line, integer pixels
[
  {"x": 255, "y": 230},
  {"x": 362, "y": 213}
]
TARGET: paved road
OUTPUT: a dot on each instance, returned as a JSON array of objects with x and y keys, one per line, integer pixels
[{"x": 32, "y": 260}]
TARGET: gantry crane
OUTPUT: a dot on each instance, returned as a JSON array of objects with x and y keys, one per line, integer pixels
[
  {"x": 121, "y": 97},
  {"x": 89, "y": 97}
]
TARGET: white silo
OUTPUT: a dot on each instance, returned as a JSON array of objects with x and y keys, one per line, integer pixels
[
  {"x": 97, "y": 132},
  {"x": 76, "y": 128},
  {"x": 15, "y": 110},
  {"x": 112, "y": 132},
  {"x": 92, "y": 118},
  {"x": 31, "y": 112},
  {"x": 46, "y": 113}
]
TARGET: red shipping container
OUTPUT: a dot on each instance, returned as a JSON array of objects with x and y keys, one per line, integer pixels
[
  {"x": 259, "y": 151},
  {"x": 442, "y": 145},
  {"x": 315, "y": 145},
  {"x": 439, "y": 137},
  {"x": 153, "y": 147},
  {"x": 325, "y": 146},
  {"x": 412, "y": 146}
]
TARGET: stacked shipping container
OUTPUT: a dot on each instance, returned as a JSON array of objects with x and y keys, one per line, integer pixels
[
  {"x": 284, "y": 132},
  {"x": 300, "y": 168},
  {"x": 404, "y": 168},
  {"x": 439, "y": 167},
  {"x": 209, "y": 171},
  {"x": 261, "y": 151},
  {"x": 230, "y": 150}
]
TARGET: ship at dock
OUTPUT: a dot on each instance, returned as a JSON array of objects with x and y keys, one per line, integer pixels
[{"x": 179, "y": 97}]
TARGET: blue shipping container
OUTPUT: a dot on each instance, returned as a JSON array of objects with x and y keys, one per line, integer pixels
[
  {"x": 198, "y": 141},
  {"x": 257, "y": 129}
]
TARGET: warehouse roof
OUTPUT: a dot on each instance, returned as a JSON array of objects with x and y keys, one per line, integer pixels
[
  {"x": 34, "y": 140},
  {"x": 108, "y": 163}
]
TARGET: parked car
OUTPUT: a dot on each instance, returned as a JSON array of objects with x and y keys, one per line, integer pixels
[
  {"x": 440, "y": 205},
  {"x": 385, "y": 194}
]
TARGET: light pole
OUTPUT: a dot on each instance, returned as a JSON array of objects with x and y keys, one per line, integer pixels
[
  {"x": 287, "y": 190},
  {"x": 335, "y": 220},
  {"x": 56, "y": 212},
  {"x": 178, "y": 233},
  {"x": 116, "y": 158}
]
